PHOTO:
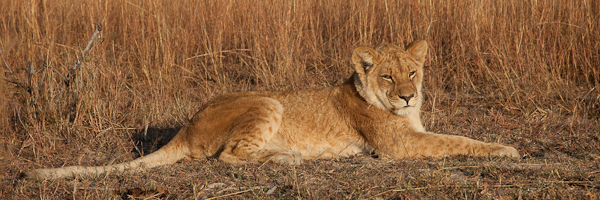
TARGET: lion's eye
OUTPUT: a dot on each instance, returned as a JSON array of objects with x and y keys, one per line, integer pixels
[
  {"x": 412, "y": 74},
  {"x": 387, "y": 77}
]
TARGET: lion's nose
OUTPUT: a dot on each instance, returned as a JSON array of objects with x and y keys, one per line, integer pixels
[{"x": 407, "y": 97}]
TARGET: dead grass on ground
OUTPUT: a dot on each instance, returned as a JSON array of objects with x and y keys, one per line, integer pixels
[{"x": 521, "y": 73}]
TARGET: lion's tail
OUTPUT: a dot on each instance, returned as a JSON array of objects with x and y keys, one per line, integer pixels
[{"x": 168, "y": 154}]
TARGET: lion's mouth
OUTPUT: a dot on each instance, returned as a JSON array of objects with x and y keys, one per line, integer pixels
[
  {"x": 398, "y": 107},
  {"x": 401, "y": 107}
]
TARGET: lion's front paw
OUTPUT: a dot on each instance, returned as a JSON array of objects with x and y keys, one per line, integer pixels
[{"x": 501, "y": 150}]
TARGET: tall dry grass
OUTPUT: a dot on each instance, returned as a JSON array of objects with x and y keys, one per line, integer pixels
[
  {"x": 160, "y": 60},
  {"x": 4, "y": 155}
]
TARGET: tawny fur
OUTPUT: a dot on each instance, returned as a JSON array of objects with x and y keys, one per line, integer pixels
[{"x": 376, "y": 110}]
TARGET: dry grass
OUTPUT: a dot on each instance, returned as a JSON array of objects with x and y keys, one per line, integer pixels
[{"x": 523, "y": 73}]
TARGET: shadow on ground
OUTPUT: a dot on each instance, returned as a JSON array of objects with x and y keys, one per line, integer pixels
[{"x": 151, "y": 139}]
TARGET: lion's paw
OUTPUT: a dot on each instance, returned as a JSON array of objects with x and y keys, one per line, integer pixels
[
  {"x": 500, "y": 150},
  {"x": 289, "y": 157}
]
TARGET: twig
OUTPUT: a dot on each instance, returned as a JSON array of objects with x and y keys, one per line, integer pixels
[
  {"x": 72, "y": 76},
  {"x": 215, "y": 185},
  {"x": 270, "y": 191},
  {"x": 16, "y": 82},
  {"x": 509, "y": 166},
  {"x": 246, "y": 189},
  {"x": 63, "y": 77},
  {"x": 100, "y": 39},
  {"x": 235, "y": 193},
  {"x": 241, "y": 188},
  {"x": 398, "y": 190},
  {"x": 96, "y": 188},
  {"x": 561, "y": 23},
  {"x": 218, "y": 52},
  {"x": 89, "y": 47},
  {"x": 9, "y": 69},
  {"x": 30, "y": 69},
  {"x": 73, "y": 70}
]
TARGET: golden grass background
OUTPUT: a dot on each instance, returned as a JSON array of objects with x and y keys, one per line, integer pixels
[{"x": 160, "y": 60}]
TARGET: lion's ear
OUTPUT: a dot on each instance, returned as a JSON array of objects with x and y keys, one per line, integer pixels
[
  {"x": 363, "y": 59},
  {"x": 418, "y": 50}
]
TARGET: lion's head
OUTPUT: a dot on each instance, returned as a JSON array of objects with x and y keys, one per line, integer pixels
[{"x": 390, "y": 77}]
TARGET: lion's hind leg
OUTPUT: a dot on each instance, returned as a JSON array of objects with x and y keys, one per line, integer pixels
[{"x": 252, "y": 130}]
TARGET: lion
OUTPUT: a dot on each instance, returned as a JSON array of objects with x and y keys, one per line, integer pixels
[{"x": 375, "y": 111}]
